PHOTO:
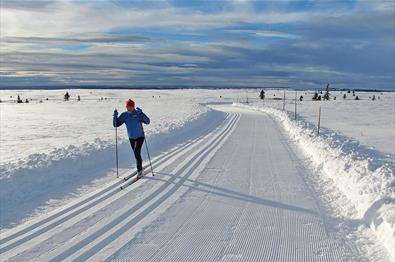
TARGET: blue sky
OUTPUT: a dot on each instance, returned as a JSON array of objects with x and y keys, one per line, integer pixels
[{"x": 293, "y": 43}]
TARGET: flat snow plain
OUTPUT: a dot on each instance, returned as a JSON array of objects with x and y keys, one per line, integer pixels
[{"x": 56, "y": 152}]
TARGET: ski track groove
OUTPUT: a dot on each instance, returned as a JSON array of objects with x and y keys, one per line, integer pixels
[
  {"x": 108, "y": 192},
  {"x": 112, "y": 188},
  {"x": 124, "y": 216},
  {"x": 195, "y": 168},
  {"x": 250, "y": 219},
  {"x": 228, "y": 231},
  {"x": 201, "y": 204},
  {"x": 199, "y": 157},
  {"x": 163, "y": 255},
  {"x": 18, "y": 237}
]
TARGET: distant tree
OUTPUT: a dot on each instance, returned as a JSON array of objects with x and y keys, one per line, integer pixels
[
  {"x": 19, "y": 100},
  {"x": 315, "y": 97},
  {"x": 356, "y": 98},
  {"x": 326, "y": 96},
  {"x": 344, "y": 96},
  {"x": 66, "y": 96},
  {"x": 348, "y": 91},
  {"x": 27, "y": 100}
]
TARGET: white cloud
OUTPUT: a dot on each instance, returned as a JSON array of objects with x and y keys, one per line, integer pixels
[
  {"x": 266, "y": 33},
  {"x": 68, "y": 17}
]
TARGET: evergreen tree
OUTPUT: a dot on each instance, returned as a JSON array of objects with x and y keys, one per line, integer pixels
[
  {"x": 315, "y": 97},
  {"x": 326, "y": 96}
]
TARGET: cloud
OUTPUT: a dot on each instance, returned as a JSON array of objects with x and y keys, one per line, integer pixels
[
  {"x": 264, "y": 33},
  {"x": 38, "y": 5},
  {"x": 252, "y": 43}
]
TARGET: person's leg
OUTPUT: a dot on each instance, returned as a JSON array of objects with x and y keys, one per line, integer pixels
[
  {"x": 133, "y": 144},
  {"x": 137, "y": 153}
]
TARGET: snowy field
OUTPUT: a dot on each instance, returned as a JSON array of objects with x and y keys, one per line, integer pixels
[{"x": 55, "y": 151}]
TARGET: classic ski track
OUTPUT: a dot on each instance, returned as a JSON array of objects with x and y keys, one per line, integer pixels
[
  {"x": 45, "y": 220},
  {"x": 228, "y": 219},
  {"x": 201, "y": 205},
  {"x": 184, "y": 150},
  {"x": 77, "y": 210},
  {"x": 182, "y": 243},
  {"x": 12, "y": 241},
  {"x": 118, "y": 223}
]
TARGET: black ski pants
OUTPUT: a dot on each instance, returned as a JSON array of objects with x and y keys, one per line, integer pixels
[{"x": 136, "y": 144}]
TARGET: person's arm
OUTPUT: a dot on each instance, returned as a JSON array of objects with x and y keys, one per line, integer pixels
[
  {"x": 117, "y": 121},
  {"x": 143, "y": 117}
]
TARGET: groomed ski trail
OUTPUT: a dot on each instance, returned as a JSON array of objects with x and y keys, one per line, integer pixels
[
  {"x": 249, "y": 204},
  {"x": 236, "y": 193},
  {"x": 103, "y": 216}
]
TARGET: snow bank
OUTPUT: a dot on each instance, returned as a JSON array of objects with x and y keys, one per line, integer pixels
[
  {"x": 44, "y": 180},
  {"x": 361, "y": 174}
]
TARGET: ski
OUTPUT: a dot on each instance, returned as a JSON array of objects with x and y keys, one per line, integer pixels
[
  {"x": 134, "y": 180},
  {"x": 133, "y": 174},
  {"x": 130, "y": 176}
]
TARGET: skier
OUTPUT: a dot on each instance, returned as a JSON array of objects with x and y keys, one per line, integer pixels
[{"x": 133, "y": 118}]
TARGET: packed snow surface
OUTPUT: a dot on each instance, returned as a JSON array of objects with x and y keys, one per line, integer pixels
[
  {"x": 363, "y": 176},
  {"x": 55, "y": 154}
]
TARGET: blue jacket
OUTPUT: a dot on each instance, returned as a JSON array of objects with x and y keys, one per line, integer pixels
[{"x": 133, "y": 121}]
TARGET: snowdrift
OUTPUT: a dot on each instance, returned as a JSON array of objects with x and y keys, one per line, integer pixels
[
  {"x": 46, "y": 181},
  {"x": 359, "y": 173}
]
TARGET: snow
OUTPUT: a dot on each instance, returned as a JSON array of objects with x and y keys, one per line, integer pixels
[
  {"x": 57, "y": 167},
  {"x": 358, "y": 120},
  {"x": 366, "y": 180}
]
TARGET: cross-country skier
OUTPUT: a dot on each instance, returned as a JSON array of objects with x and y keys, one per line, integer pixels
[{"x": 133, "y": 118}]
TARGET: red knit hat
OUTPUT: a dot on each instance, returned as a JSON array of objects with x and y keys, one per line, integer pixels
[{"x": 129, "y": 103}]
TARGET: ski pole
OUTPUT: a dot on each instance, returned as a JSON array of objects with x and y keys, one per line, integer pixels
[
  {"x": 149, "y": 158},
  {"x": 116, "y": 148}
]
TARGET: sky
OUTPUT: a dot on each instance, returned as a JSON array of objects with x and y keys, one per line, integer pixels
[{"x": 244, "y": 43}]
